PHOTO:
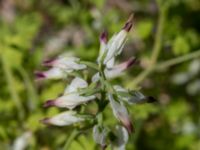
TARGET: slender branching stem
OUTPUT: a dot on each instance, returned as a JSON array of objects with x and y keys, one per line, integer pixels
[
  {"x": 156, "y": 48},
  {"x": 178, "y": 60}
]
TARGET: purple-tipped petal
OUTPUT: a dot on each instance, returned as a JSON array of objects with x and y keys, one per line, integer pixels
[
  {"x": 104, "y": 37},
  {"x": 126, "y": 64},
  {"x": 45, "y": 121},
  {"x": 129, "y": 127},
  {"x": 127, "y": 27},
  {"x": 126, "y": 123},
  {"x": 40, "y": 75},
  {"x": 48, "y": 62},
  {"x": 49, "y": 103},
  {"x": 131, "y": 62}
]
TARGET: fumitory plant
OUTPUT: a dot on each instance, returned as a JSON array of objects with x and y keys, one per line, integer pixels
[{"x": 98, "y": 89}]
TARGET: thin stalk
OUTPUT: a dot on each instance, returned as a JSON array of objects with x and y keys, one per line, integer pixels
[
  {"x": 32, "y": 94},
  {"x": 156, "y": 50},
  {"x": 13, "y": 93},
  {"x": 178, "y": 60},
  {"x": 158, "y": 38},
  {"x": 72, "y": 136}
]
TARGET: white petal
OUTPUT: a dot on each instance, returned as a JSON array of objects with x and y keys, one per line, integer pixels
[
  {"x": 99, "y": 135},
  {"x": 68, "y": 63},
  {"x": 115, "y": 45},
  {"x": 122, "y": 138},
  {"x": 119, "y": 88},
  {"x": 110, "y": 63},
  {"x": 54, "y": 73},
  {"x": 22, "y": 142},
  {"x": 103, "y": 50},
  {"x": 96, "y": 77},
  {"x": 66, "y": 118},
  {"x": 72, "y": 100},
  {"x": 75, "y": 85},
  {"x": 119, "y": 110}
]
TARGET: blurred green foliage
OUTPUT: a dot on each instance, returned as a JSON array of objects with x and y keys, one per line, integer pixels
[{"x": 31, "y": 31}]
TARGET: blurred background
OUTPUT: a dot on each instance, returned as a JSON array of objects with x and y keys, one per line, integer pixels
[{"x": 32, "y": 31}]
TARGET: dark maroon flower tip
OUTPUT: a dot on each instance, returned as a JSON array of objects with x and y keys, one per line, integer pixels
[
  {"x": 44, "y": 121},
  {"x": 48, "y": 62},
  {"x": 104, "y": 36},
  {"x": 49, "y": 103},
  {"x": 129, "y": 23},
  {"x": 131, "y": 62},
  {"x": 40, "y": 75},
  {"x": 129, "y": 127},
  {"x": 151, "y": 99}
]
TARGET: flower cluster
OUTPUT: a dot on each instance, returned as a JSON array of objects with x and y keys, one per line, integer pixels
[{"x": 98, "y": 89}]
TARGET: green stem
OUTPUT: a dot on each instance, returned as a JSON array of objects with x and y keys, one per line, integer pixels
[
  {"x": 174, "y": 61},
  {"x": 158, "y": 38},
  {"x": 32, "y": 94},
  {"x": 156, "y": 49},
  {"x": 164, "y": 65},
  {"x": 10, "y": 81},
  {"x": 72, "y": 136}
]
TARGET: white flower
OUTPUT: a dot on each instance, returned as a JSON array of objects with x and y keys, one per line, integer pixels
[
  {"x": 22, "y": 141},
  {"x": 116, "y": 70},
  {"x": 121, "y": 138},
  {"x": 53, "y": 73},
  {"x": 99, "y": 135},
  {"x": 68, "y": 64},
  {"x": 133, "y": 97},
  {"x": 103, "y": 46},
  {"x": 76, "y": 84},
  {"x": 71, "y": 97},
  {"x": 63, "y": 119},
  {"x": 115, "y": 44},
  {"x": 121, "y": 113}
]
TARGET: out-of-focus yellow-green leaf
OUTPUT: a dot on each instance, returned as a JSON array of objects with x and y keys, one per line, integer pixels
[
  {"x": 144, "y": 28},
  {"x": 180, "y": 46}
]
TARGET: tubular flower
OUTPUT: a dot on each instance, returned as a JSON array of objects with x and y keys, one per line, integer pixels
[
  {"x": 71, "y": 97},
  {"x": 121, "y": 138},
  {"x": 68, "y": 64},
  {"x": 116, "y": 71},
  {"x": 61, "y": 67},
  {"x": 114, "y": 46},
  {"x": 100, "y": 135},
  {"x": 63, "y": 119},
  {"x": 121, "y": 113},
  {"x": 53, "y": 73}
]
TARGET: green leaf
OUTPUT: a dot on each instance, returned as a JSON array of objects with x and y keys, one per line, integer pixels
[
  {"x": 180, "y": 46},
  {"x": 13, "y": 57}
]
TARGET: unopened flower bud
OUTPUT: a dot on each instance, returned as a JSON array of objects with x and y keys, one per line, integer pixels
[
  {"x": 118, "y": 69},
  {"x": 121, "y": 138},
  {"x": 121, "y": 113},
  {"x": 71, "y": 97},
  {"x": 68, "y": 64},
  {"x": 100, "y": 135},
  {"x": 53, "y": 73},
  {"x": 63, "y": 119},
  {"x": 127, "y": 27}
]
